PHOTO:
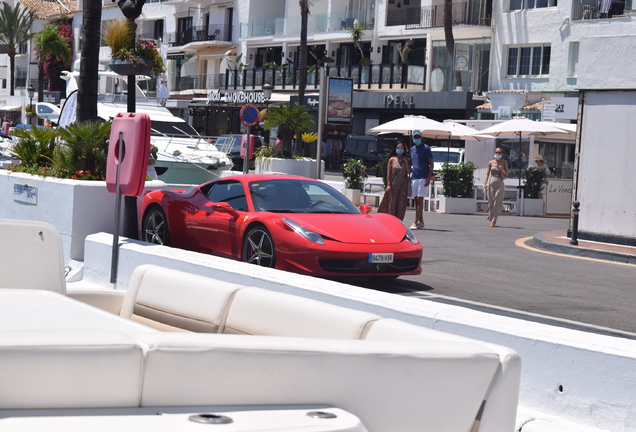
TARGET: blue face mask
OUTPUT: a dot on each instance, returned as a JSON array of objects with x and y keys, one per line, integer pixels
[
  {"x": 399, "y": 151},
  {"x": 417, "y": 141}
]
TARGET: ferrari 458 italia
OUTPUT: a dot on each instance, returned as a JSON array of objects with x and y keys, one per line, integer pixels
[{"x": 286, "y": 222}]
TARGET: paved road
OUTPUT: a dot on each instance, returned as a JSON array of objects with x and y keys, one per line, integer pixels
[{"x": 466, "y": 261}]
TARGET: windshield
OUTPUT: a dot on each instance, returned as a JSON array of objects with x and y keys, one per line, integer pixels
[
  {"x": 445, "y": 156},
  {"x": 298, "y": 196},
  {"x": 173, "y": 128}
]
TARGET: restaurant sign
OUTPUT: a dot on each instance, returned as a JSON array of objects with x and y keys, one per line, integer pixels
[{"x": 239, "y": 97}]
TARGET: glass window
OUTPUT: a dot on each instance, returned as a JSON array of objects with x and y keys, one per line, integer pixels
[
  {"x": 513, "y": 53},
  {"x": 524, "y": 61},
  {"x": 536, "y": 60},
  {"x": 529, "y": 61},
  {"x": 229, "y": 192},
  {"x": 545, "y": 68}
]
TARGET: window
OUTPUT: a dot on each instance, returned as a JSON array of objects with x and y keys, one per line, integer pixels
[
  {"x": 573, "y": 59},
  {"x": 531, "y": 4},
  {"x": 230, "y": 192},
  {"x": 528, "y": 61}
]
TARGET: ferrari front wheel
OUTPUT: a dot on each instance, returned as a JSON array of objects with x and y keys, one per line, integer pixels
[
  {"x": 155, "y": 227},
  {"x": 258, "y": 247}
]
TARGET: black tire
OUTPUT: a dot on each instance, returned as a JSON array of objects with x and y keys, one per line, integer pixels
[
  {"x": 258, "y": 247},
  {"x": 155, "y": 227}
]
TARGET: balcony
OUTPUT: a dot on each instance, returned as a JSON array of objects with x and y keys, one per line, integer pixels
[
  {"x": 212, "y": 32},
  {"x": 320, "y": 23},
  {"x": 369, "y": 77},
  {"x": 467, "y": 13},
  {"x": 200, "y": 82},
  {"x": 598, "y": 9}
]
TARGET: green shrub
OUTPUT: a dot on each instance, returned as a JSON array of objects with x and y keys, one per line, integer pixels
[
  {"x": 534, "y": 181},
  {"x": 35, "y": 147},
  {"x": 84, "y": 148},
  {"x": 458, "y": 179},
  {"x": 353, "y": 172}
]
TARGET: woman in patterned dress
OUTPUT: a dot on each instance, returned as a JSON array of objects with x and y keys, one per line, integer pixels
[{"x": 397, "y": 182}]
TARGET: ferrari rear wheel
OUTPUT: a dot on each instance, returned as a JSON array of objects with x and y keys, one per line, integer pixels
[
  {"x": 155, "y": 227},
  {"x": 258, "y": 247}
]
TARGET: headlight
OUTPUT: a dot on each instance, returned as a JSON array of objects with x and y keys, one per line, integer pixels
[
  {"x": 309, "y": 235},
  {"x": 409, "y": 234}
]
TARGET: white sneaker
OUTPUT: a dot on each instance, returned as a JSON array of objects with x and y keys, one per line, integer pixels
[{"x": 414, "y": 227}]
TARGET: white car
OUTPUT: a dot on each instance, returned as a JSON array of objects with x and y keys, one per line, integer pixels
[{"x": 447, "y": 154}]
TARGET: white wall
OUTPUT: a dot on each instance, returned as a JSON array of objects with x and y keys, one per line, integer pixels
[{"x": 552, "y": 26}]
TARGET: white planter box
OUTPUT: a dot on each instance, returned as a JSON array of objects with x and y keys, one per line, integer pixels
[
  {"x": 457, "y": 205},
  {"x": 303, "y": 167},
  {"x": 76, "y": 208},
  {"x": 532, "y": 207},
  {"x": 353, "y": 195}
]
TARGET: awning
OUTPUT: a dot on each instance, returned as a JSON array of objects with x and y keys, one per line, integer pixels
[{"x": 10, "y": 108}]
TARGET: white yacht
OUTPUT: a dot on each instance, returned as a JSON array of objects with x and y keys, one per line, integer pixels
[{"x": 184, "y": 157}]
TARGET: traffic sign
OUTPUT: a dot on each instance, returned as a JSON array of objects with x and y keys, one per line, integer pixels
[{"x": 250, "y": 115}]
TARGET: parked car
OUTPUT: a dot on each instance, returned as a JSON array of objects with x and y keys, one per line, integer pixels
[
  {"x": 290, "y": 223},
  {"x": 447, "y": 154},
  {"x": 371, "y": 149},
  {"x": 231, "y": 145}
]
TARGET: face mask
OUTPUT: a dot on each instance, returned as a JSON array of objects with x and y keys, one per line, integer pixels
[
  {"x": 497, "y": 156},
  {"x": 399, "y": 151},
  {"x": 417, "y": 142}
]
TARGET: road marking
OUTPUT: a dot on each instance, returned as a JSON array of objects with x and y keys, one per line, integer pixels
[{"x": 522, "y": 243}]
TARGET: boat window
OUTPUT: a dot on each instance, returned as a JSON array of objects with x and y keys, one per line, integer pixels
[
  {"x": 229, "y": 192},
  {"x": 173, "y": 128}
]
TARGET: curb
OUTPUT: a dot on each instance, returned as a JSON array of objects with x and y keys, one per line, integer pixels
[{"x": 540, "y": 242}]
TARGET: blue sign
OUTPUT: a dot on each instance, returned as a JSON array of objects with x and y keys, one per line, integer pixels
[{"x": 250, "y": 115}]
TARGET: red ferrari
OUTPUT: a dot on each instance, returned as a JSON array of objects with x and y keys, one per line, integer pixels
[{"x": 287, "y": 222}]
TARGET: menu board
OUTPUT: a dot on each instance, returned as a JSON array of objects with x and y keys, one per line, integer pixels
[{"x": 339, "y": 100}]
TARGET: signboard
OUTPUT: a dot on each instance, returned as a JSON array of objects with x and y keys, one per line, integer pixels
[
  {"x": 462, "y": 57},
  {"x": 504, "y": 113},
  {"x": 236, "y": 97},
  {"x": 250, "y": 115},
  {"x": 565, "y": 107},
  {"x": 25, "y": 193},
  {"x": 67, "y": 116},
  {"x": 548, "y": 114},
  {"x": 339, "y": 100}
]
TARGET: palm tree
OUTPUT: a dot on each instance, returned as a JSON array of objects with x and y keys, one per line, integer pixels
[
  {"x": 49, "y": 42},
  {"x": 356, "y": 34},
  {"x": 450, "y": 39},
  {"x": 302, "y": 53},
  {"x": 289, "y": 120},
  {"x": 15, "y": 29},
  {"x": 88, "y": 80}
]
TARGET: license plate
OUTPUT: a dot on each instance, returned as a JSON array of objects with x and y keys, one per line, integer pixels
[{"x": 380, "y": 258}]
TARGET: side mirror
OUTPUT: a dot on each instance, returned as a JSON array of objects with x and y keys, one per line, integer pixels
[
  {"x": 365, "y": 208},
  {"x": 225, "y": 208}
]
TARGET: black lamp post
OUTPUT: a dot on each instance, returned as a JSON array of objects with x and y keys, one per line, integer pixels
[
  {"x": 267, "y": 93},
  {"x": 31, "y": 91}
]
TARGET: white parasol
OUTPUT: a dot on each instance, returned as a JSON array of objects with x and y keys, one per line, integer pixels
[
  {"x": 519, "y": 126},
  {"x": 409, "y": 123}
]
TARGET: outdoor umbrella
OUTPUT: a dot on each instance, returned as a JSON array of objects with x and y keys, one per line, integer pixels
[
  {"x": 519, "y": 126},
  {"x": 409, "y": 123},
  {"x": 456, "y": 131}
]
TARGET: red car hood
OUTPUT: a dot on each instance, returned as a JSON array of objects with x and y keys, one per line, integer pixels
[{"x": 353, "y": 228}]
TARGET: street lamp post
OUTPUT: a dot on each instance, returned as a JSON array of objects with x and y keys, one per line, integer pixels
[
  {"x": 267, "y": 95},
  {"x": 31, "y": 91}
]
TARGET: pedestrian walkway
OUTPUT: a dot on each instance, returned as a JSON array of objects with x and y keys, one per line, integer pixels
[{"x": 557, "y": 241}]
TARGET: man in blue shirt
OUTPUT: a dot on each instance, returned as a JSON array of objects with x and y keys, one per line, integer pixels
[{"x": 422, "y": 172}]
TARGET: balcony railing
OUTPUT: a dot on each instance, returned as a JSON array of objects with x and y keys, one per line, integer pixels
[
  {"x": 597, "y": 9},
  {"x": 212, "y": 32},
  {"x": 467, "y": 13},
  {"x": 381, "y": 75},
  {"x": 200, "y": 82},
  {"x": 320, "y": 23}
]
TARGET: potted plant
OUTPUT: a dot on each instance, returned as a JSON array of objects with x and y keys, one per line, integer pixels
[
  {"x": 533, "y": 201},
  {"x": 353, "y": 172},
  {"x": 143, "y": 59},
  {"x": 458, "y": 186}
]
